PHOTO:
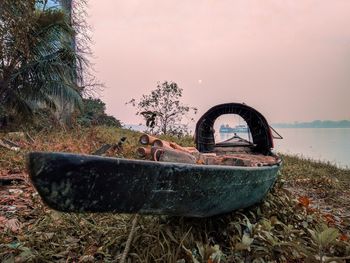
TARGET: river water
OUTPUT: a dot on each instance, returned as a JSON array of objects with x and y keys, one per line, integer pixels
[{"x": 327, "y": 145}]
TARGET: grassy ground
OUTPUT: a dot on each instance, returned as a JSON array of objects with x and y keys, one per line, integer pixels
[{"x": 304, "y": 218}]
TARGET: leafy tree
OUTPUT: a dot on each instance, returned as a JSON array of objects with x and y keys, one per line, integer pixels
[
  {"x": 94, "y": 114},
  {"x": 40, "y": 65},
  {"x": 163, "y": 110}
]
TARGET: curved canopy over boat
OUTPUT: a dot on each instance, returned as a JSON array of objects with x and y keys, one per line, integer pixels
[{"x": 258, "y": 126}]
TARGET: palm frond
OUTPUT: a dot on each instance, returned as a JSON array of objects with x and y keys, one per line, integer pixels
[{"x": 44, "y": 65}]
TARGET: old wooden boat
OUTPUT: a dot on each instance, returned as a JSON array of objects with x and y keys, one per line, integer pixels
[{"x": 86, "y": 183}]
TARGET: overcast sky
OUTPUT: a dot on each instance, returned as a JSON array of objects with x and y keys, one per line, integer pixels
[{"x": 288, "y": 59}]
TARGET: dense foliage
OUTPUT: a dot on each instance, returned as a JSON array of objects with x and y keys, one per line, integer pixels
[
  {"x": 163, "y": 111},
  {"x": 43, "y": 60},
  {"x": 94, "y": 114}
]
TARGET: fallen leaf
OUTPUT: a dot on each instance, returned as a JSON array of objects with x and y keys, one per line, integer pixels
[
  {"x": 3, "y": 220},
  {"x": 344, "y": 237},
  {"x": 87, "y": 258},
  {"x": 14, "y": 225},
  {"x": 330, "y": 219},
  {"x": 304, "y": 201}
]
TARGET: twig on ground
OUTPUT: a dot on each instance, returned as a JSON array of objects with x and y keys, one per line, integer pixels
[{"x": 128, "y": 242}]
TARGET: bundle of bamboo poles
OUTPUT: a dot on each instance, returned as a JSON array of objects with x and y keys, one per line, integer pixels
[{"x": 164, "y": 151}]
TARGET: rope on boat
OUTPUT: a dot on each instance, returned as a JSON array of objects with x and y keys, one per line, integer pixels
[
  {"x": 130, "y": 237},
  {"x": 279, "y": 135}
]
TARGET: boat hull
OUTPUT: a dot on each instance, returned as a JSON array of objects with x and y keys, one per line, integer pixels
[{"x": 83, "y": 183}]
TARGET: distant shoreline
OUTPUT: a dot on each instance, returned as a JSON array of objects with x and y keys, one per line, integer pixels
[
  {"x": 314, "y": 124},
  {"x": 279, "y": 127}
]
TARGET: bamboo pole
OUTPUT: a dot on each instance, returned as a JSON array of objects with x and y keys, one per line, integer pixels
[
  {"x": 162, "y": 144},
  {"x": 172, "y": 155},
  {"x": 144, "y": 152},
  {"x": 146, "y": 139}
]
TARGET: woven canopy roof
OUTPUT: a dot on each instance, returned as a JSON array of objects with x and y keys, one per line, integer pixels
[{"x": 258, "y": 126}]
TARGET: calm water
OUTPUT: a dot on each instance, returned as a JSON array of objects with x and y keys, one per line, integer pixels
[{"x": 330, "y": 144}]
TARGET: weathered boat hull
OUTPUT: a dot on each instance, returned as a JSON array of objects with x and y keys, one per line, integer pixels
[{"x": 83, "y": 183}]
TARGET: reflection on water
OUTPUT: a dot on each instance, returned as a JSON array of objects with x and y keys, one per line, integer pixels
[{"x": 331, "y": 144}]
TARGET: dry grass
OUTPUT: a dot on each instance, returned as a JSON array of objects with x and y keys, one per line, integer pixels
[{"x": 283, "y": 228}]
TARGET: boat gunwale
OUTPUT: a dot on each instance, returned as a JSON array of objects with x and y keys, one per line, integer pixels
[{"x": 165, "y": 164}]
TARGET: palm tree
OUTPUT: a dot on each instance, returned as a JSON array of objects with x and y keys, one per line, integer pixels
[{"x": 39, "y": 66}]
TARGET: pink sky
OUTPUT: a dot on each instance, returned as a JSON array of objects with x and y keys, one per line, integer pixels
[{"x": 288, "y": 59}]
